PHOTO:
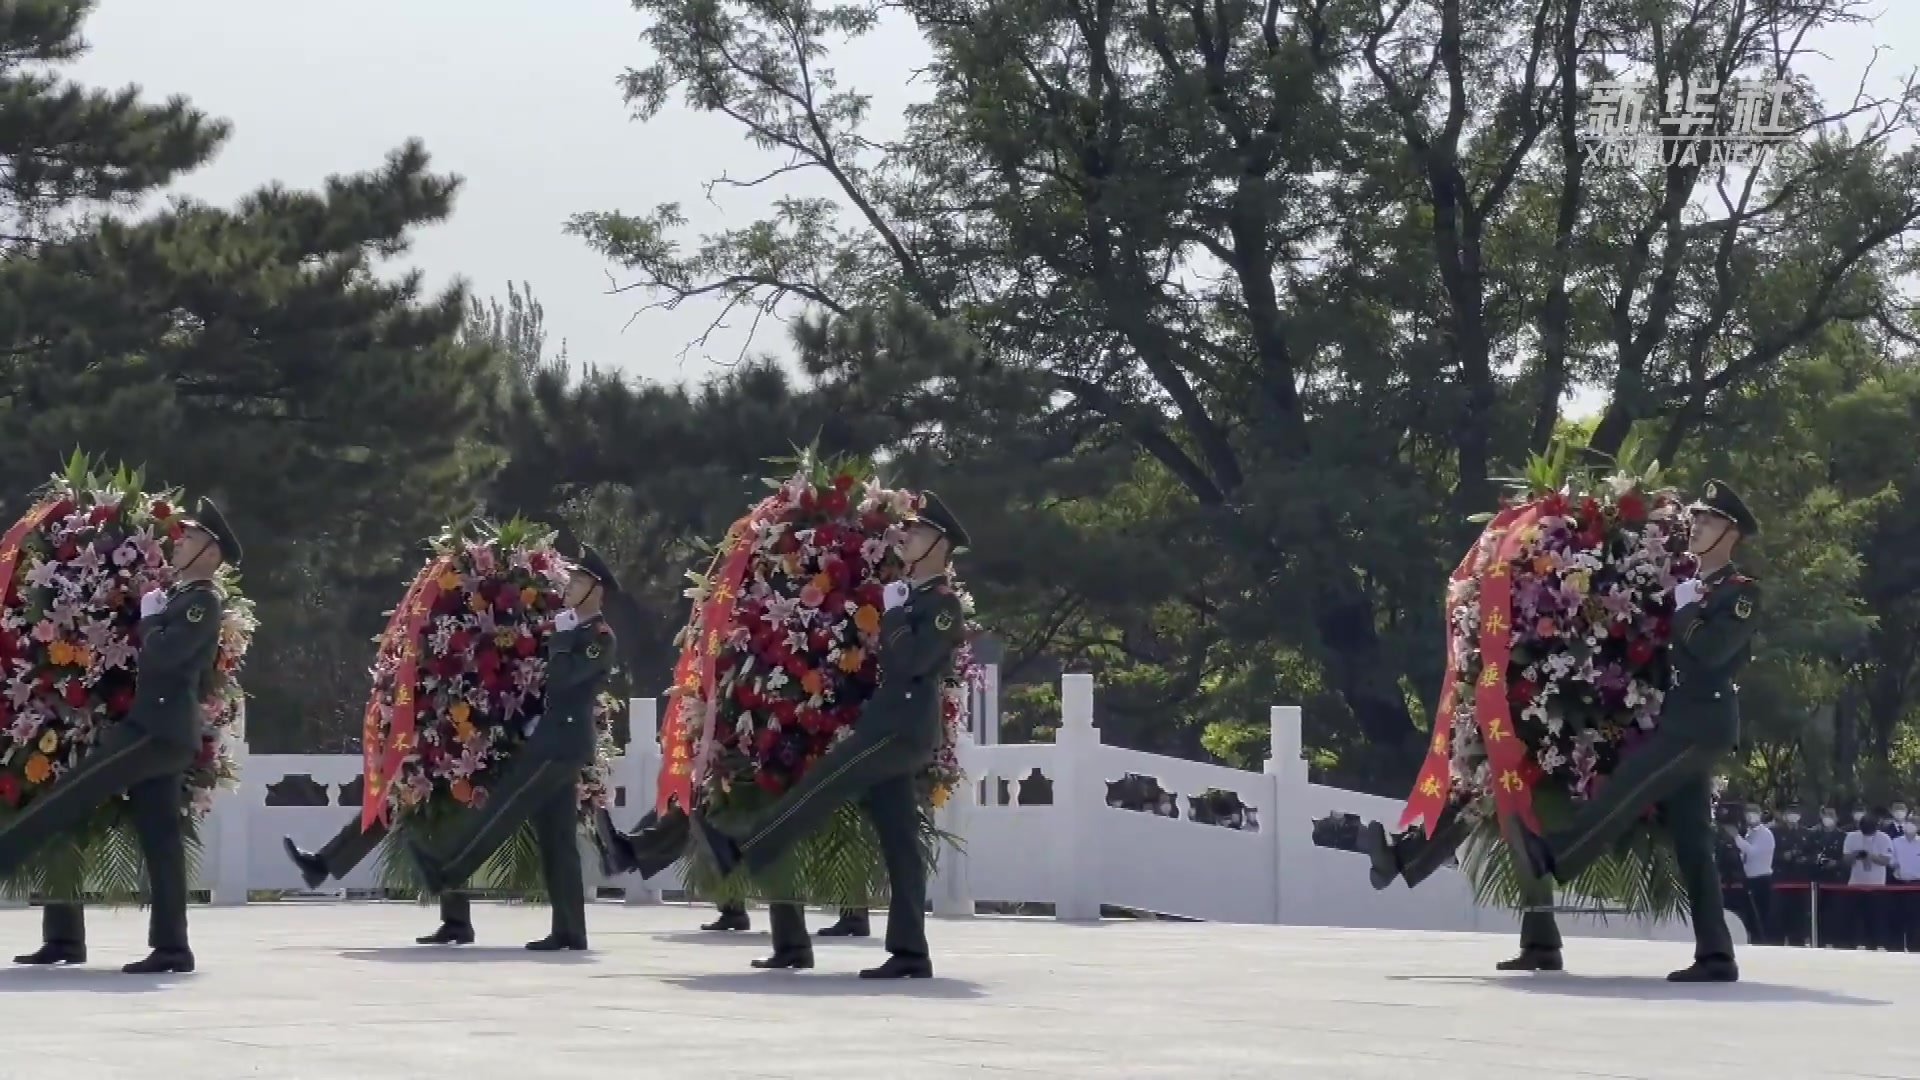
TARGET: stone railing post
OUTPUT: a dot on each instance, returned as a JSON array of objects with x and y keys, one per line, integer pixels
[
  {"x": 1289, "y": 831},
  {"x": 1075, "y": 802},
  {"x": 638, "y": 770},
  {"x": 952, "y": 889},
  {"x": 228, "y": 851}
]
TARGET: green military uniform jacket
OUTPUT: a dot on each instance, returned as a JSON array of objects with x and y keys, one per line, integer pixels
[
  {"x": 178, "y": 648},
  {"x": 1712, "y": 641},
  {"x": 917, "y": 643},
  {"x": 578, "y": 661}
]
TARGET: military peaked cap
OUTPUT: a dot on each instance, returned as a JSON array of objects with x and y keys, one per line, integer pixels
[
  {"x": 208, "y": 516},
  {"x": 1717, "y": 498}
]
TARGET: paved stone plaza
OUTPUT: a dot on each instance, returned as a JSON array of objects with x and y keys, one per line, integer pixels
[{"x": 313, "y": 991}]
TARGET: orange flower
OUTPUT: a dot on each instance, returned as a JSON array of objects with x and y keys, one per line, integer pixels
[
  {"x": 39, "y": 769},
  {"x": 79, "y": 657},
  {"x": 812, "y": 683},
  {"x": 851, "y": 659},
  {"x": 940, "y": 796},
  {"x": 867, "y": 619},
  {"x": 459, "y": 710},
  {"x": 1545, "y": 628},
  {"x": 462, "y": 792},
  {"x": 449, "y": 581},
  {"x": 528, "y": 595},
  {"x": 477, "y": 603},
  {"x": 58, "y": 653},
  {"x": 1542, "y": 565},
  {"x": 823, "y": 582}
]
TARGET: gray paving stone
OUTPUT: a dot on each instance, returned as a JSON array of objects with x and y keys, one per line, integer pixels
[{"x": 324, "y": 991}]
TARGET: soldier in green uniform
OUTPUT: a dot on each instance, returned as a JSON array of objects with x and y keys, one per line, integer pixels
[
  {"x": 146, "y": 756},
  {"x": 1413, "y": 856},
  {"x": 895, "y": 737},
  {"x": 541, "y": 784},
  {"x": 1712, "y": 634},
  {"x": 345, "y": 851}
]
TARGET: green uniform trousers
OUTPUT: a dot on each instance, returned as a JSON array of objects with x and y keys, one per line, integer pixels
[
  {"x": 789, "y": 925},
  {"x": 1420, "y": 855},
  {"x": 877, "y": 766},
  {"x": 152, "y": 774},
  {"x": 1673, "y": 773},
  {"x": 353, "y": 844},
  {"x": 546, "y": 794}
]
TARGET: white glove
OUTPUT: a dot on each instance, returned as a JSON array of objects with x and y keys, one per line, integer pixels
[
  {"x": 895, "y": 594},
  {"x": 1685, "y": 593},
  {"x": 153, "y": 603},
  {"x": 566, "y": 620}
]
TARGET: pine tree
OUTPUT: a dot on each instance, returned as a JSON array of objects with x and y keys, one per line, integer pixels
[{"x": 260, "y": 354}]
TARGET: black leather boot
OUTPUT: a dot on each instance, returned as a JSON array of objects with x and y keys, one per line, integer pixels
[
  {"x": 54, "y": 953},
  {"x": 162, "y": 962}
]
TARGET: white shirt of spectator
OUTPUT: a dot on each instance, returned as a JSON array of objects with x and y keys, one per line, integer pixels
[
  {"x": 1873, "y": 869},
  {"x": 1906, "y": 856},
  {"x": 1756, "y": 851}
]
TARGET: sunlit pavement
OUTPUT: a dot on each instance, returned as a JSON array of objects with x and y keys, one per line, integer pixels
[{"x": 337, "y": 991}]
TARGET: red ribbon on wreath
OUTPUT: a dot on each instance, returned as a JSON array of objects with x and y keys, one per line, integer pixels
[
  {"x": 1511, "y": 767},
  {"x": 695, "y": 673},
  {"x": 10, "y": 544},
  {"x": 1435, "y": 782},
  {"x": 382, "y": 759}
]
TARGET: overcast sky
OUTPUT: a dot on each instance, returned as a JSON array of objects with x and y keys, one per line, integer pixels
[{"x": 518, "y": 97}]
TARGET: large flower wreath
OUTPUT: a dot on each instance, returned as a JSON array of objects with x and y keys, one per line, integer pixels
[
  {"x": 459, "y": 676},
  {"x": 778, "y": 659},
  {"x": 1558, "y": 627},
  {"x": 72, "y": 572}
]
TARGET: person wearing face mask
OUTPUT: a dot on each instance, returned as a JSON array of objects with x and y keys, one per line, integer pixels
[
  {"x": 894, "y": 738},
  {"x": 1713, "y": 626},
  {"x": 1825, "y": 845},
  {"x": 1868, "y": 852},
  {"x": 1896, "y": 817},
  {"x": 1792, "y": 866},
  {"x": 144, "y": 757},
  {"x": 1906, "y": 901},
  {"x": 1756, "y": 844}
]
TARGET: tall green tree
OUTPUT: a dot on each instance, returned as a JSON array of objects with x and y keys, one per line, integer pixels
[{"x": 1325, "y": 265}]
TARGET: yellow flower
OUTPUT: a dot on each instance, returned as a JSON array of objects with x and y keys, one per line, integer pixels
[
  {"x": 459, "y": 710},
  {"x": 38, "y": 769},
  {"x": 57, "y": 653},
  {"x": 1578, "y": 582},
  {"x": 50, "y": 741},
  {"x": 528, "y": 595},
  {"x": 867, "y": 619},
  {"x": 851, "y": 659},
  {"x": 449, "y": 581},
  {"x": 940, "y": 796}
]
